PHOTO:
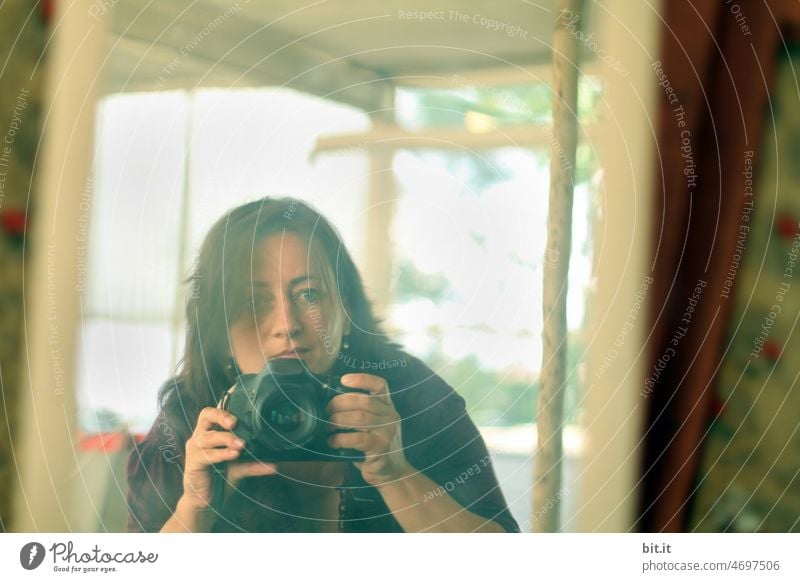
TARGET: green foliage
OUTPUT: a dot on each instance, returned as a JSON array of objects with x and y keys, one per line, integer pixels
[
  {"x": 504, "y": 397},
  {"x": 413, "y": 284},
  {"x": 531, "y": 103},
  {"x": 590, "y": 98},
  {"x": 98, "y": 420},
  {"x": 507, "y": 106}
]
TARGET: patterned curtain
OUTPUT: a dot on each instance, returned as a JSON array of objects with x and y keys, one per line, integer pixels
[
  {"x": 716, "y": 72},
  {"x": 23, "y": 34},
  {"x": 750, "y": 470}
]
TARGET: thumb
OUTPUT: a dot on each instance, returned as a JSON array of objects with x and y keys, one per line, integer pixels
[{"x": 237, "y": 471}]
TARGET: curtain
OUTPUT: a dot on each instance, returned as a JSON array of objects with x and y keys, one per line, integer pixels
[
  {"x": 715, "y": 74},
  {"x": 749, "y": 477}
]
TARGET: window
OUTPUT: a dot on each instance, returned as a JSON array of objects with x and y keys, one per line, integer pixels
[
  {"x": 467, "y": 241},
  {"x": 167, "y": 165},
  {"x": 469, "y": 245},
  {"x": 469, "y": 252}
]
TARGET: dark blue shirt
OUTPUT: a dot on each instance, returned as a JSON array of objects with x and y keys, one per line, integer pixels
[{"x": 439, "y": 439}]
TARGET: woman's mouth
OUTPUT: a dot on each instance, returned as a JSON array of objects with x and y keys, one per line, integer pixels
[{"x": 294, "y": 353}]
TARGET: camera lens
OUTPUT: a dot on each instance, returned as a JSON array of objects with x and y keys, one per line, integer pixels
[{"x": 287, "y": 417}]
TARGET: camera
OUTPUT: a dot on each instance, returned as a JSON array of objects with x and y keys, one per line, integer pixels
[{"x": 281, "y": 413}]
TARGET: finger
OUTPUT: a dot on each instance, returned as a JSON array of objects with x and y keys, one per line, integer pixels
[
  {"x": 217, "y": 438},
  {"x": 375, "y": 385},
  {"x": 356, "y": 401},
  {"x": 357, "y": 419},
  {"x": 210, "y": 417},
  {"x": 214, "y": 456},
  {"x": 237, "y": 471},
  {"x": 360, "y": 441}
]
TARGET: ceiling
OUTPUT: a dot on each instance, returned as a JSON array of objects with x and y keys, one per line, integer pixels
[{"x": 346, "y": 50}]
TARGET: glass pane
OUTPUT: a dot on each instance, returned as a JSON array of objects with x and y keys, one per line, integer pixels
[
  {"x": 121, "y": 367},
  {"x": 138, "y": 181},
  {"x": 258, "y": 142},
  {"x": 469, "y": 235}
]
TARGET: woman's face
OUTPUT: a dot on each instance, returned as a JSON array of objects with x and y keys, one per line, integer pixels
[{"x": 289, "y": 312}]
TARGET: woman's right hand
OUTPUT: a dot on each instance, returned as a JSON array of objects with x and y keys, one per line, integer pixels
[{"x": 207, "y": 447}]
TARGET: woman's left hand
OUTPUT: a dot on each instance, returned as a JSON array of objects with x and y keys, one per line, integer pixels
[{"x": 377, "y": 423}]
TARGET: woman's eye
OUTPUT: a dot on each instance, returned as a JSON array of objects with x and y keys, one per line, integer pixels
[{"x": 309, "y": 295}]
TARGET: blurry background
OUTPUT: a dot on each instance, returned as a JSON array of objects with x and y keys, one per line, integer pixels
[
  {"x": 447, "y": 147},
  {"x": 425, "y": 134}
]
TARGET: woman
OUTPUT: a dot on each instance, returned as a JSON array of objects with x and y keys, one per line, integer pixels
[{"x": 273, "y": 279}]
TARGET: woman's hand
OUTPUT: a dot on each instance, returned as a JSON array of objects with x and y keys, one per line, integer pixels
[
  {"x": 377, "y": 423},
  {"x": 208, "y": 446}
]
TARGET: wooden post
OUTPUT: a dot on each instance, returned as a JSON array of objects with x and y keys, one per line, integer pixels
[
  {"x": 380, "y": 210},
  {"x": 547, "y": 466}
]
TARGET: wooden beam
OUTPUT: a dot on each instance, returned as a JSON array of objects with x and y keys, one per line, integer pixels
[{"x": 392, "y": 137}]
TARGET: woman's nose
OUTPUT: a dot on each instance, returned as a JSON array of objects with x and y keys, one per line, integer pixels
[{"x": 286, "y": 320}]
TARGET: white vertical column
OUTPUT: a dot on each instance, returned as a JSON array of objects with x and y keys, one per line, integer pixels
[
  {"x": 44, "y": 450},
  {"x": 630, "y": 32}
]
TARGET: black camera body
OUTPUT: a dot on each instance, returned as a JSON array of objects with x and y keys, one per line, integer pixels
[{"x": 281, "y": 413}]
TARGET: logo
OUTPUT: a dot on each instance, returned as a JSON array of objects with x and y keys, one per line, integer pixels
[{"x": 31, "y": 555}]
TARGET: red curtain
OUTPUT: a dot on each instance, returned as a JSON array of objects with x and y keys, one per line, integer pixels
[{"x": 716, "y": 69}]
